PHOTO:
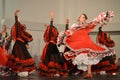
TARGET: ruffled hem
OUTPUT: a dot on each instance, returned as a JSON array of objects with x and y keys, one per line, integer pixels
[
  {"x": 52, "y": 68},
  {"x": 3, "y": 57},
  {"x": 18, "y": 65},
  {"x": 86, "y": 57},
  {"x": 83, "y": 60},
  {"x": 91, "y": 53},
  {"x": 109, "y": 69},
  {"x": 5, "y": 71},
  {"x": 106, "y": 64}
]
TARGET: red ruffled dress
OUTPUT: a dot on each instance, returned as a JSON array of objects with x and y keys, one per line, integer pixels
[
  {"x": 5, "y": 42},
  {"x": 3, "y": 50},
  {"x": 83, "y": 50},
  {"x": 20, "y": 59},
  {"x": 107, "y": 63},
  {"x": 51, "y": 62},
  {"x": 3, "y": 56}
]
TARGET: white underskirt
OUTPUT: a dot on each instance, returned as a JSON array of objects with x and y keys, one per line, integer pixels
[{"x": 82, "y": 60}]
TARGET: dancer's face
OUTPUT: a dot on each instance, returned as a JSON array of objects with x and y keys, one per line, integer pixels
[{"x": 82, "y": 18}]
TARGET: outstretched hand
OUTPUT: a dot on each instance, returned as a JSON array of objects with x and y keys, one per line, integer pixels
[
  {"x": 103, "y": 24},
  {"x": 67, "y": 21},
  {"x": 52, "y": 15},
  {"x": 109, "y": 15},
  {"x": 16, "y": 12}
]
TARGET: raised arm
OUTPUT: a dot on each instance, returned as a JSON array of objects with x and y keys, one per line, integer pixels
[
  {"x": 103, "y": 18},
  {"x": 62, "y": 35},
  {"x": 67, "y": 24},
  {"x": 16, "y": 22},
  {"x": 51, "y": 23},
  {"x": 100, "y": 19},
  {"x": 51, "y": 18},
  {"x": 16, "y": 15}
]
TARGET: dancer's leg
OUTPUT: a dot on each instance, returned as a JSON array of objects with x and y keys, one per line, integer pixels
[{"x": 89, "y": 73}]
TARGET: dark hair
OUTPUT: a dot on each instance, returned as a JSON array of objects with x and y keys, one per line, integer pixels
[{"x": 84, "y": 15}]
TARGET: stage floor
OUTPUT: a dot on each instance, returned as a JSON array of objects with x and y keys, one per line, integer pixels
[{"x": 35, "y": 76}]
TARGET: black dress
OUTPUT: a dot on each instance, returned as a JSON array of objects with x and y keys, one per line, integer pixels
[
  {"x": 51, "y": 62},
  {"x": 20, "y": 59},
  {"x": 107, "y": 64}
]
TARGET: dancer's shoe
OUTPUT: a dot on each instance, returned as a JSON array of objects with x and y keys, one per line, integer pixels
[{"x": 88, "y": 76}]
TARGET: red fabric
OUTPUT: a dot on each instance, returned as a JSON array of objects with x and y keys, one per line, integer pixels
[
  {"x": 47, "y": 33},
  {"x": 52, "y": 68},
  {"x": 80, "y": 39},
  {"x": 103, "y": 39},
  {"x": 44, "y": 52},
  {"x": 21, "y": 33},
  {"x": 20, "y": 28},
  {"x": 19, "y": 65},
  {"x": 47, "y": 39},
  {"x": 26, "y": 36},
  {"x": 108, "y": 63},
  {"x": 3, "y": 56},
  {"x": 13, "y": 33}
]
